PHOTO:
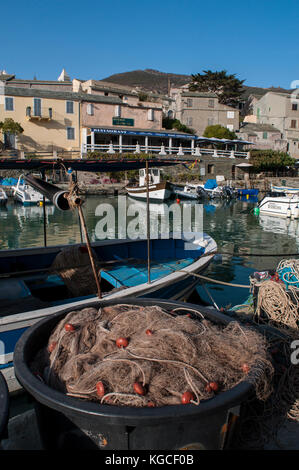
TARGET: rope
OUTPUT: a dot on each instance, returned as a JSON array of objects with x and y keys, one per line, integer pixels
[
  {"x": 214, "y": 281},
  {"x": 275, "y": 301}
]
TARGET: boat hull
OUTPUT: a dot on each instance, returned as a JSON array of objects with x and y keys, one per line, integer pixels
[
  {"x": 157, "y": 192},
  {"x": 175, "y": 285},
  {"x": 280, "y": 206}
]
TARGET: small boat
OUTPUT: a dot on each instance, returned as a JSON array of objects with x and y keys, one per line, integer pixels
[
  {"x": 30, "y": 290},
  {"x": 286, "y": 190},
  {"x": 158, "y": 190},
  {"x": 280, "y": 206},
  {"x": 26, "y": 194},
  {"x": 3, "y": 197},
  {"x": 185, "y": 192},
  {"x": 212, "y": 189}
]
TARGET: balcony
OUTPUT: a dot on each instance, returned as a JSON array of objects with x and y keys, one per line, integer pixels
[{"x": 39, "y": 114}]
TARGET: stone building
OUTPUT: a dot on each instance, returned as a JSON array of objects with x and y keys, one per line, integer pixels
[
  {"x": 280, "y": 110},
  {"x": 198, "y": 110},
  {"x": 263, "y": 136}
]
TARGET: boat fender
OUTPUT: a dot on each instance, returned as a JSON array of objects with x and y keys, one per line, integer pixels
[
  {"x": 289, "y": 212},
  {"x": 296, "y": 212}
]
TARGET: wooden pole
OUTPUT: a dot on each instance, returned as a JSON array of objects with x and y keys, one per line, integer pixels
[
  {"x": 44, "y": 214},
  {"x": 45, "y": 221},
  {"x": 82, "y": 220},
  {"x": 148, "y": 226}
]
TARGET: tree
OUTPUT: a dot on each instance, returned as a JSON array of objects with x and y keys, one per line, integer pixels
[
  {"x": 228, "y": 88},
  {"x": 270, "y": 160},
  {"x": 9, "y": 126},
  {"x": 219, "y": 132},
  {"x": 169, "y": 123}
]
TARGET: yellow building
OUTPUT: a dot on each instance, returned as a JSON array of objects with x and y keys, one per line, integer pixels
[{"x": 50, "y": 119}]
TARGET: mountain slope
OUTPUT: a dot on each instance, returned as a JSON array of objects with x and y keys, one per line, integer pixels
[
  {"x": 158, "y": 82},
  {"x": 149, "y": 80}
]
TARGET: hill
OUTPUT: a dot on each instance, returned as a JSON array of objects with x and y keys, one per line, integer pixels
[
  {"x": 158, "y": 82},
  {"x": 149, "y": 80}
]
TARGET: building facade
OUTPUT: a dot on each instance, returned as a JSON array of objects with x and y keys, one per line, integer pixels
[
  {"x": 263, "y": 136},
  {"x": 197, "y": 110},
  {"x": 280, "y": 110},
  {"x": 50, "y": 119}
]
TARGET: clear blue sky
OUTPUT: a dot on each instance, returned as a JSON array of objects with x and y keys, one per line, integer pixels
[{"x": 255, "y": 39}]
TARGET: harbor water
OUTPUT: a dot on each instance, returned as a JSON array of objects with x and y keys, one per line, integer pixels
[{"x": 244, "y": 239}]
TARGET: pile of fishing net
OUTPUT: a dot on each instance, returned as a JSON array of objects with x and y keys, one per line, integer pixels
[
  {"x": 131, "y": 355},
  {"x": 276, "y": 313},
  {"x": 72, "y": 264},
  {"x": 278, "y": 296}
]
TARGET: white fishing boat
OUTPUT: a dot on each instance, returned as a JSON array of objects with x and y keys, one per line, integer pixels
[
  {"x": 280, "y": 206},
  {"x": 26, "y": 194},
  {"x": 3, "y": 197},
  {"x": 158, "y": 190}
]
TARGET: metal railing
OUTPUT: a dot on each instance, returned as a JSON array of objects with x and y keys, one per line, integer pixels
[
  {"x": 39, "y": 113},
  {"x": 162, "y": 150}
]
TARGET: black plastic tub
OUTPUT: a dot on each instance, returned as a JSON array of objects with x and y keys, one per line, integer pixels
[
  {"x": 65, "y": 422},
  {"x": 4, "y": 407}
]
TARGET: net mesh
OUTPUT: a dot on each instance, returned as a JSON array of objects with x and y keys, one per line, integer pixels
[{"x": 130, "y": 355}]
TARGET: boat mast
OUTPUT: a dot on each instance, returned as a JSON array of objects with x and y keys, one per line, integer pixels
[{"x": 148, "y": 225}]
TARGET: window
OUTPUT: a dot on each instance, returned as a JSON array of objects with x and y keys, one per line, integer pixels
[
  {"x": 230, "y": 127},
  {"x": 293, "y": 123},
  {"x": 150, "y": 115},
  {"x": 8, "y": 104},
  {"x": 117, "y": 111},
  {"x": 265, "y": 135},
  {"x": 106, "y": 93},
  {"x": 230, "y": 114},
  {"x": 211, "y": 104},
  {"x": 90, "y": 109},
  {"x": 189, "y": 121},
  {"x": 189, "y": 103},
  {"x": 210, "y": 121},
  {"x": 37, "y": 107},
  {"x": 294, "y": 107},
  {"x": 70, "y": 107},
  {"x": 70, "y": 133}
]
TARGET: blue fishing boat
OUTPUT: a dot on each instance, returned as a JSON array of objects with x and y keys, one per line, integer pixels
[{"x": 30, "y": 289}]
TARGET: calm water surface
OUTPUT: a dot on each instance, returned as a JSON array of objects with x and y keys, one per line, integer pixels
[{"x": 237, "y": 231}]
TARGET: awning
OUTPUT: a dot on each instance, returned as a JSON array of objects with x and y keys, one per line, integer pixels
[
  {"x": 120, "y": 131},
  {"x": 244, "y": 165}
]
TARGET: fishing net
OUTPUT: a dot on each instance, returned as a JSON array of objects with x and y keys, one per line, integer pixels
[
  {"x": 277, "y": 296},
  {"x": 129, "y": 355},
  {"x": 72, "y": 264},
  {"x": 277, "y": 305}
]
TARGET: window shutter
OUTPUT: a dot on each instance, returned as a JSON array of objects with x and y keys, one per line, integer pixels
[
  {"x": 117, "y": 111},
  {"x": 150, "y": 115},
  {"x": 90, "y": 109}
]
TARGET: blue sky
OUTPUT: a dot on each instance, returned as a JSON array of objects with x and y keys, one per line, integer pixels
[{"x": 255, "y": 39}]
